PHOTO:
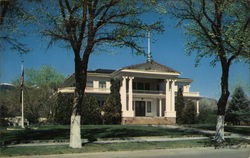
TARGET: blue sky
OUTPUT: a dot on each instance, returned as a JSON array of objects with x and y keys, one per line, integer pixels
[{"x": 167, "y": 49}]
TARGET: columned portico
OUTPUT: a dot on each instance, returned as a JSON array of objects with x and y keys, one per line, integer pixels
[
  {"x": 197, "y": 107},
  {"x": 130, "y": 98},
  {"x": 127, "y": 98},
  {"x": 160, "y": 108},
  {"x": 147, "y": 91},
  {"x": 173, "y": 97},
  {"x": 170, "y": 100},
  {"x": 123, "y": 94}
]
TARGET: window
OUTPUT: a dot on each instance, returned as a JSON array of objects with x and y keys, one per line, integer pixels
[
  {"x": 102, "y": 84},
  {"x": 134, "y": 85},
  {"x": 89, "y": 84},
  {"x": 148, "y": 106},
  {"x": 140, "y": 86},
  {"x": 147, "y": 86},
  {"x": 158, "y": 87},
  {"x": 133, "y": 107}
]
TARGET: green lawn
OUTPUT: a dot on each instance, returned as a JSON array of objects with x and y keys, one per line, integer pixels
[
  {"x": 64, "y": 149},
  {"x": 59, "y": 133},
  {"x": 245, "y": 130}
]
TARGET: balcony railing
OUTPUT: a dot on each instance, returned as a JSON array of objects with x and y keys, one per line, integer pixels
[
  {"x": 97, "y": 90},
  {"x": 87, "y": 89},
  {"x": 191, "y": 94},
  {"x": 149, "y": 91}
]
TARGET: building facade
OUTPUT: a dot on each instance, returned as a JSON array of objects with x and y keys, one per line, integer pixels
[{"x": 147, "y": 91}]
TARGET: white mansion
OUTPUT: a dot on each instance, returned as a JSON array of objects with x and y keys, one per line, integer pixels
[{"x": 148, "y": 91}]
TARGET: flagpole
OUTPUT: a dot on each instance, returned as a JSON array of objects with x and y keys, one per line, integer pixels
[
  {"x": 22, "y": 119},
  {"x": 149, "y": 58}
]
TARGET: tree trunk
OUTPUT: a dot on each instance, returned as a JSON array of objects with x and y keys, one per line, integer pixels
[
  {"x": 81, "y": 67},
  {"x": 75, "y": 131},
  {"x": 219, "y": 136},
  {"x": 75, "y": 124}
]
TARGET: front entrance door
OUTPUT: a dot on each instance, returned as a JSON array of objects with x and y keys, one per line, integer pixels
[{"x": 139, "y": 108}]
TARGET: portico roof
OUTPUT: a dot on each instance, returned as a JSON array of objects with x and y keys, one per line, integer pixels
[{"x": 148, "y": 67}]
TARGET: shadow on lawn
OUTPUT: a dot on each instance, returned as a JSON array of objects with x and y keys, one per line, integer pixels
[
  {"x": 125, "y": 132},
  {"x": 29, "y": 135},
  {"x": 90, "y": 132}
]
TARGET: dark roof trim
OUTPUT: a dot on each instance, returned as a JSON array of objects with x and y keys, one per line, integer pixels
[
  {"x": 106, "y": 71},
  {"x": 165, "y": 68}
]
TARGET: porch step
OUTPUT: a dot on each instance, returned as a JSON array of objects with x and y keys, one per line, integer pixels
[{"x": 148, "y": 120}]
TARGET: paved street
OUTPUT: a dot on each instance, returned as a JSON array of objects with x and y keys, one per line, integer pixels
[{"x": 160, "y": 153}]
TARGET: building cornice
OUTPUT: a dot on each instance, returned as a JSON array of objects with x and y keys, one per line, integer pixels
[{"x": 150, "y": 72}]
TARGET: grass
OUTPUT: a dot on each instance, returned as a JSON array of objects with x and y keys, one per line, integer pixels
[
  {"x": 58, "y": 133},
  {"x": 245, "y": 130},
  {"x": 63, "y": 149},
  {"x": 104, "y": 131}
]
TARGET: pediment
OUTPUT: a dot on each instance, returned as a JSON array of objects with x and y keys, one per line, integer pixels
[{"x": 151, "y": 66}]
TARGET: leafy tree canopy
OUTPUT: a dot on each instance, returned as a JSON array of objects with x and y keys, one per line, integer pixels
[
  {"x": 46, "y": 76},
  {"x": 218, "y": 29},
  {"x": 14, "y": 17},
  {"x": 207, "y": 33}
]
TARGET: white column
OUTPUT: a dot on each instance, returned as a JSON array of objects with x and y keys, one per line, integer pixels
[
  {"x": 167, "y": 105},
  {"x": 123, "y": 95},
  {"x": 173, "y": 96},
  {"x": 170, "y": 99},
  {"x": 96, "y": 85},
  {"x": 130, "y": 97},
  {"x": 197, "y": 107},
  {"x": 108, "y": 85},
  {"x": 160, "y": 108}
]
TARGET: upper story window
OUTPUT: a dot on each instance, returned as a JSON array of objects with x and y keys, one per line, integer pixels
[
  {"x": 147, "y": 86},
  {"x": 102, "y": 84},
  {"x": 89, "y": 84},
  {"x": 141, "y": 86}
]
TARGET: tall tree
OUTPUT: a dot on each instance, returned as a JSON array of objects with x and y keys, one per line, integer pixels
[
  {"x": 46, "y": 77},
  {"x": 189, "y": 113},
  {"x": 40, "y": 85},
  {"x": 86, "y": 24},
  {"x": 239, "y": 108},
  {"x": 112, "y": 106},
  {"x": 218, "y": 29},
  {"x": 13, "y": 14},
  {"x": 63, "y": 109},
  {"x": 91, "y": 115},
  {"x": 179, "y": 105}
]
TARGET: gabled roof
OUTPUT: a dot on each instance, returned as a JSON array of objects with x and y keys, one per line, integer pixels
[
  {"x": 151, "y": 66},
  {"x": 103, "y": 72}
]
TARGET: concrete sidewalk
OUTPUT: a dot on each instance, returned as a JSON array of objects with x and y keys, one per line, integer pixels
[{"x": 208, "y": 133}]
